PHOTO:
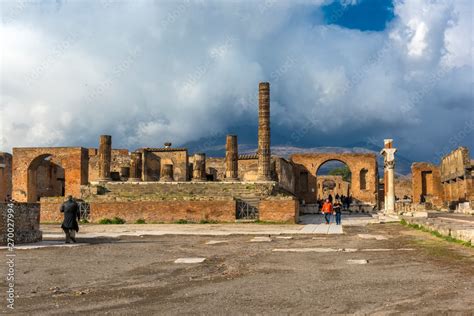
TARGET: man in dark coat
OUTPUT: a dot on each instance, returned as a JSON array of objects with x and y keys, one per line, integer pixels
[{"x": 70, "y": 208}]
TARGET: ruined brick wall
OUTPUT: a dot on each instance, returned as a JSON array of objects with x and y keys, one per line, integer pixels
[
  {"x": 49, "y": 179},
  {"x": 341, "y": 187},
  {"x": 165, "y": 211},
  {"x": 285, "y": 174},
  {"x": 216, "y": 167},
  {"x": 281, "y": 169},
  {"x": 155, "y": 159},
  {"x": 147, "y": 191},
  {"x": 120, "y": 158},
  {"x": 26, "y": 223},
  {"x": 50, "y": 209},
  {"x": 278, "y": 210},
  {"x": 5, "y": 175},
  {"x": 72, "y": 159},
  {"x": 308, "y": 164},
  {"x": 426, "y": 183},
  {"x": 456, "y": 176}
]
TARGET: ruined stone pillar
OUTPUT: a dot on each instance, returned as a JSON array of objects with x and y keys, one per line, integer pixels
[
  {"x": 264, "y": 154},
  {"x": 135, "y": 166},
  {"x": 167, "y": 173},
  {"x": 231, "y": 158},
  {"x": 105, "y": 157},
  {"x": 388, "y": 153},
  {"x": 199, "y": 167}
]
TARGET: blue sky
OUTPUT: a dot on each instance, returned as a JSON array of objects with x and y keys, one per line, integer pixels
[
  {"x": 367, "y": 15},
  {"x": 342, "y": 72}
]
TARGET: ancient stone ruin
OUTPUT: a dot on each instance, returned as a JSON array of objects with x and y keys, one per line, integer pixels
[{"x": 168, "y": 183}]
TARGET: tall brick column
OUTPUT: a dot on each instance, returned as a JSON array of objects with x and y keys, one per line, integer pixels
[
  {"x": 135, "y": 166},
  {"x": 199, "y": 167},
  {"x": 388, "y": 153},
  {"x": 264, "y": 154},
  {"x": 105, "y": 157},
  {"x": 231, "y": 158}
]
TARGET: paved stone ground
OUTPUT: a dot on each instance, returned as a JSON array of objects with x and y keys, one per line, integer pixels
[
  {"x": 357, "y": 272},
  {"x": 459, "y": 226}
]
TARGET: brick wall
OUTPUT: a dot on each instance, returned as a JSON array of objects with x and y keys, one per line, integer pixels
[
  {"x": 72, "y": 159},
  {"x": 310, "y": 162},
  {"x": 426, "y": 181},
  {"x": 165, "y": 211},
  {"x": 49, "y": 211},
  {"x": 276, "y": 210},
  {"x": 26, "y": 222},
  {"x": 120, "y": 158},
  {"x": 5, "y": 175}
]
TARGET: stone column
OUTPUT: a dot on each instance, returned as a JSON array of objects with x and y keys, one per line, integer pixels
[
  {"x": 105, "y": 157},
  {"x": 144, "y": 165},
  {"x": 167, "y": 173},
  {"x": 231, "y": 158},
  {"x": 199, "y": 167},
  {"x": 135, "y": 166},
  {"x": 388, "y": 152},
  {"x": 264, "y": 154}
]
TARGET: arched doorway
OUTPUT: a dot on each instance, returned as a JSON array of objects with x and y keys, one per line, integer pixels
[
  {"x": 46, "y": 178},
  {"x": 333, "y": 180}
]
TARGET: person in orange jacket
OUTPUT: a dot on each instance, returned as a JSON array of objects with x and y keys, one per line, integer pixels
[{"x": 327, "y": 210}]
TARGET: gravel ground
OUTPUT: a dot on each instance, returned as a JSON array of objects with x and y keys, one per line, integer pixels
[{"x": 137, "y": 275}]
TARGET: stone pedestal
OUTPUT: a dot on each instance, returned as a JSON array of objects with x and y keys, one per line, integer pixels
[
  {"x": 199, "y": 167},
  {"x": 105, "y": 157},
  {"x": 135, "y": 166},
  {"x": 388, "y": 152},
  {"x": 264, "y": 154},
  {"x": 231, "y": 158},
  {"x": 167, "y": 173}
]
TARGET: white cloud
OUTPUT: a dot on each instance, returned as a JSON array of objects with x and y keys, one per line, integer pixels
[{"x": 148, "y": 72}]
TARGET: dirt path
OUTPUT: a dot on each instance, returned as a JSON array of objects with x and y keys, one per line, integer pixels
[{"x": 137, "y": 275}]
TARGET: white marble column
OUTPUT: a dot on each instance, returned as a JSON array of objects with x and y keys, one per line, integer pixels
[{"x": 388, "y": 152}]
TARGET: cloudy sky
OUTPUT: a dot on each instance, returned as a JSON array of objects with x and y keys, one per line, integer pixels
[{"x": 342, "y": 72}]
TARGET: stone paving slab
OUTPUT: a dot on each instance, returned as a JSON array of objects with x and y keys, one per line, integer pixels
[
  {"x": 45, "y": 244},
  {"x": 189, "y": 260},
  {"x": 357, "y": 261}
]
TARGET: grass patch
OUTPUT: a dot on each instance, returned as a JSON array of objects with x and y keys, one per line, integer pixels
[
  {"x": 84, "y": 221},
  {"x": 208, "y": 221},
  {"x": 140, "y": 221},
  {"x": 115, "y": 220},
  {"x": 182, "y": 221},
  {"x": 436, "y": 233}
]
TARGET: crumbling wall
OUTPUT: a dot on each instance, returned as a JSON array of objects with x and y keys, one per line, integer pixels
[
  {"x": 456, "y": 177},
  {"x": 285, "y": 174},
  {"x": 20, "y": 222},
  {"x": 5, "y": 175},
  {"x": 154, "y": 160},
  {"x": 426, "y": 184},
  {"x": 120, "y": 159}
]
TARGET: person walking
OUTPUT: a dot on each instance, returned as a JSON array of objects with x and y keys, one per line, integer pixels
[
  {"x": 327, "y": 210},
  {"x": 338, "y": 210},
  {"x": 70, "y": 208}
]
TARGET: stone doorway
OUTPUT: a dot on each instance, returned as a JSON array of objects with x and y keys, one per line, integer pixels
[
  {"x": 46, "y": 177},
  {"x": 333, "y": 180}
]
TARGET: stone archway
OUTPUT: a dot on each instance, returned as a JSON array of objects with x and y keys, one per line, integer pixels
[
  {"x": 363, "y": 166},
  {"x": 45, "y": 178},
  {"x": 334, "y": 185},
  {"x": 73, "y": 160}
]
